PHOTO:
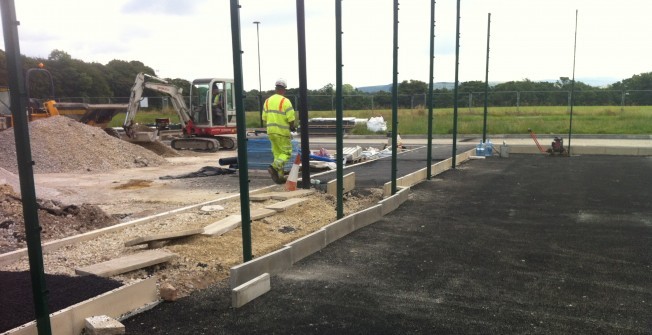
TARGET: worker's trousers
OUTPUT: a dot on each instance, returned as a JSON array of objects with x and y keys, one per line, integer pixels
[{"x": 282, "y": 151}]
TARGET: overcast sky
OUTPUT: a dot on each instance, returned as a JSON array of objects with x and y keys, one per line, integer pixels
[{"x": 191, "y": 39}]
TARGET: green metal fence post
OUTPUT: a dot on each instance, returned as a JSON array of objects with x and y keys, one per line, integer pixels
[{"x": 243, "y": 164}]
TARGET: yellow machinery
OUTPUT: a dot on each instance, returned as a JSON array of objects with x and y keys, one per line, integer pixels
[{"x": 98, "y": 115}]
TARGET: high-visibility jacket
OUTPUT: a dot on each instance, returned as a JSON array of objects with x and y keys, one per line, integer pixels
[{"x": 278, "y": 113}]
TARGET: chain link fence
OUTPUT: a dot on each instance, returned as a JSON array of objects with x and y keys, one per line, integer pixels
[{"x": 383, "y": 100}]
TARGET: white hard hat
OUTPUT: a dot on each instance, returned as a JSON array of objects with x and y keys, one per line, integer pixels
[{"x": 282, "y": 82}]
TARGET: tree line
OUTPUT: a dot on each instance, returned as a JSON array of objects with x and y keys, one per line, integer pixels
[{"x": 76, "y": 78}]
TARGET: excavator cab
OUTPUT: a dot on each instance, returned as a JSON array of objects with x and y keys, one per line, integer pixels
[{"x": 211, "y": 102}]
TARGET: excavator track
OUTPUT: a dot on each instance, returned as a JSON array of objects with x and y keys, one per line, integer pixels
[
  {"x": 227, "y": 142},
  {"x": 196, "y": 143}
]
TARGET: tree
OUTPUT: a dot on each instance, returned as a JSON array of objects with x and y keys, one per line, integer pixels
[{"x": 412, "y": 87}]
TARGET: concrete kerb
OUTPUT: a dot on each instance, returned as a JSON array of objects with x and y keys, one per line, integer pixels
[
  {"x": 586, "y": 150},
  {"x": 115, "y": 304},
  {"x": 271, "y": 263},
  {"x": 250, "y": 290}
]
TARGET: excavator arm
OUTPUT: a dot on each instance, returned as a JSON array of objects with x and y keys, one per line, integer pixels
[{"x": 160, "y": 85}]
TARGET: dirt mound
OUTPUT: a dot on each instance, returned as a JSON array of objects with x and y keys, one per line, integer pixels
[
  {"x": 60, "y": 144},
  {"x": 56, "y": 219}
]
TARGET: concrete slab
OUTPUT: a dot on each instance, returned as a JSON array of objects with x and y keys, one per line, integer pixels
[
  {"x": 165, "y": 236},
  {"x": 292, "y": 194},
  {"x": 285, "y": 204},
  {"x": 127, "y": 263},
  {"x": 103, "y": 325},
  {"x": 250, "y": 290},
  {"x": 222, "y": 226},
  {"x": 271, "y": 263},
  {"x": 260, "y": 213}
]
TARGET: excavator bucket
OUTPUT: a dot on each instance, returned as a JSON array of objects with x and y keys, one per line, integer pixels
[{"x": 140, "y": 133}]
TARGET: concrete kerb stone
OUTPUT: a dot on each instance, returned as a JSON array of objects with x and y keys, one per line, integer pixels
[
  {"x": 416, "y": 177},
  {"x": 392, "y": 202},
  {"x": 366, "y": 217},
  {"x": 307, "y": 245},
  {"x": 587, "y": 150},
  {"x": 271, "y": 263},
  {"x": 114, "y": 303},
  {"x": 250, "y": 290},
  {"x": 339, "y": 229}
]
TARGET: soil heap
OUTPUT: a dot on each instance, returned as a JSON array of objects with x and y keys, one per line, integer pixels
[{"x": 56, "y": 219}]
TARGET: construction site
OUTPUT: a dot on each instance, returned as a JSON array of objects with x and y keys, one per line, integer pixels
[
  {"x": 98, "y": 214},
  {"x": 143, "y": 229}
]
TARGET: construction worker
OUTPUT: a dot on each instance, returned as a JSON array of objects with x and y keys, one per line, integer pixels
[
  {"x": 218, "y": 106},
  {"x": 278, "y": 114}
]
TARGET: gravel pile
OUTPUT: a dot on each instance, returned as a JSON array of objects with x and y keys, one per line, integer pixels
[{"x": 60, "y": 144}]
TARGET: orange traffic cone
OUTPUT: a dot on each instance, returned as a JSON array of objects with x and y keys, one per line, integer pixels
[{"x": 291, "y": 183}]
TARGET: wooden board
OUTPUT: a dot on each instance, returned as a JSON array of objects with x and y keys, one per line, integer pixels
[
  {"x": 165, "y": 236},
  {"x": 283, "y": 205},
  {"x": 127, "y": 263}
]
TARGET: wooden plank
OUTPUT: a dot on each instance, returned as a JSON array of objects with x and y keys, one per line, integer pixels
[
  {"x": 126, "y": 264},
  {"x": 164, "y": 236},
  {"x": 283, "y": 205}
]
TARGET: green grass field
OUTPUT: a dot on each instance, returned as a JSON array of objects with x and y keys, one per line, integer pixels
[{"x": 500, "y": 120}]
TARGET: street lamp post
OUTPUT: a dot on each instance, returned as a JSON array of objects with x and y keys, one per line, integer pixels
[{"x": 260, "y": 93}]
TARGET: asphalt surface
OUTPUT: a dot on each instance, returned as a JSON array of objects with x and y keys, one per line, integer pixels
[{"x": 530, "y": 244}]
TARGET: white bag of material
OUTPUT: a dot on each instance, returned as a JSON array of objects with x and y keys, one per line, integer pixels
[{"x": 376, "y": 124}]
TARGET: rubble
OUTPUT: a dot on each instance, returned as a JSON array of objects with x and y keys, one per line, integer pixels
[{"x": 60, "y": 144}]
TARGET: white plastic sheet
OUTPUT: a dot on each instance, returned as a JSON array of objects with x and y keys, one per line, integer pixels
[{"x": 376, "y": 124}]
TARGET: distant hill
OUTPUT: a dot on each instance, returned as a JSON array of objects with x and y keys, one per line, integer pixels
[{"x": 388, "y": 87}]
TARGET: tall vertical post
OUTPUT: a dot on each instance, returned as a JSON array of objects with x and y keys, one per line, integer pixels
[
  {"x": 455, "y": 89},
  {"x": 303, "y": 95},
  {"x": 18, "y": 98},
  {"x": 430, "y": 89},
  {"x": 260, "y": 85},
  {"x": 395, "y": 100},
  {"x": 572, "y": 95},
  {"x": 486, "y": 82},
  {"x": 243, "y": 163},
  {"x": 339, "y": 109}
]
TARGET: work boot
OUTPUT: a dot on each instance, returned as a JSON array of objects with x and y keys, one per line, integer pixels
[
  {"x": 281, "y": 177},
  {"x": 274, "y": 174}
]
